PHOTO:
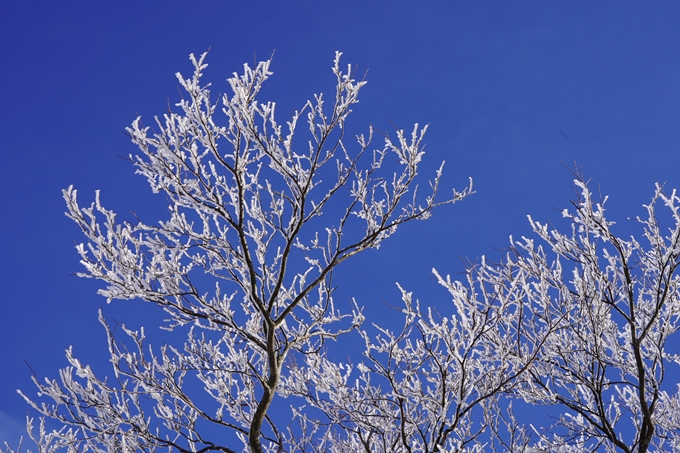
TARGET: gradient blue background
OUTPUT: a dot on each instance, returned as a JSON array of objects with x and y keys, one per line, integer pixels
[{"x": 511, "y": 90}]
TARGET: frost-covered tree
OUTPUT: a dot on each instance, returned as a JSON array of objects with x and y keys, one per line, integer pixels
[
  {"x": 610, "y": 366},
  {"x": 243, "y": 265}
]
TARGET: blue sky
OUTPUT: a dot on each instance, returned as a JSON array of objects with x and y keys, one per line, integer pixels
[{"x": 511, "y": 90}]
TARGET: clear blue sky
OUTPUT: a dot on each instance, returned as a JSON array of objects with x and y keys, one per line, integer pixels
[{"x": 511, "y": 90}]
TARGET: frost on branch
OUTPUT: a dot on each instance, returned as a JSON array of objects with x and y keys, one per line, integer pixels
[
  {"x": 432, "y": 386},
  {"x": 267, "y": 219}
]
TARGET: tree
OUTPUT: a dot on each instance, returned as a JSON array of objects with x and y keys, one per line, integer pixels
[
  {"x": 244, "y": 269},
  {"x": 250, "y": 211},
  {"x": 616, "y": 304}
]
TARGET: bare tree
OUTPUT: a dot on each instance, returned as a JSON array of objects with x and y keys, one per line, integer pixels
[
  {"x": 617, "y": 304},
  {"x": 267, "y": 223},
  {"x": 244, "y": 269}
]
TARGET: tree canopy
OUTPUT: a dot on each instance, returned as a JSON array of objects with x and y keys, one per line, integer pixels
[{"x": 578, "y": 322}]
